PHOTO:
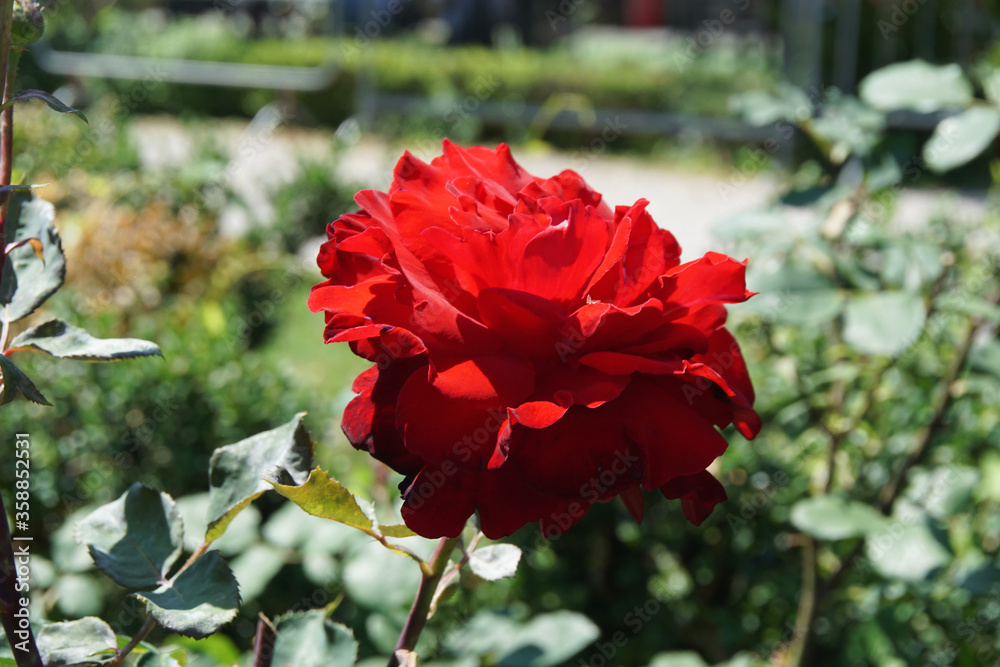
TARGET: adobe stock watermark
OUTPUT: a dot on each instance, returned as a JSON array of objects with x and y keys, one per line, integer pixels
[
  {"x": 566, "y": 9},
  {"x": 711, "y": 31},
  {"x": 610, "y": 132},
  {"x": 604, "y": 652},
  {"x": 900, "y": 13},
  {"x": 371, "y": 28}
]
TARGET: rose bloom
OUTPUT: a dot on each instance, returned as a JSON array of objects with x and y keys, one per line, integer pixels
[{"x": 534, "y": 350}]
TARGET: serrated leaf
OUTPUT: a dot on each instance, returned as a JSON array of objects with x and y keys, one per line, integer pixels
[
  {"x": 135, "y": 539},
  {"x": 199, "y": 600},
  {"x": 60, "y": 339},
  {"x": 240, "y": 472},
  {"x": 833, "y": 518},
  {"x": 15, "y": 383},
  {"x": 307, "y": 639},
  {"x": 327, "y": 498},
  {"x": 908, "y": 552},
  {"x": 27, "y": 280},
  {"x": 959, "y": 139},
  {"x": 495, "y": 561},
  {"x": 54, "y": 102},
  {"x": 75, "y": 642},
  {"x": 885, "y": 322},
  {"x": 916, "y": 85}
]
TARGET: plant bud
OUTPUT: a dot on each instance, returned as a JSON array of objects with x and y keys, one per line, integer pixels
[{"x": 28, "y": 24}]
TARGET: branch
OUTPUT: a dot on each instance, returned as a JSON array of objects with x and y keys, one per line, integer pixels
[{"x": 417, "y": 619}]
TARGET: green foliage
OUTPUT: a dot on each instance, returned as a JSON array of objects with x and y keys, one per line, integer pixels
[
  {"x": 198, "y": 600},
  {"x": 916, "y": 85},
  {"x": 241, "y": 472},
  {"x": 307, "y": 204},
  {"x": 85, "y": 641},
  {"x": 310, "y": 640},
  {"x": 136, "y": 539},
  {"x": 328, "y": 499}
]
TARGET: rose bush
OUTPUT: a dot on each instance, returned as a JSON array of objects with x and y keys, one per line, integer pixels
[{"x": 534, "y": 350}]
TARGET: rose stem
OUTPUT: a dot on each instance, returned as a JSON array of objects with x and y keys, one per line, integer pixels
[
  {"x": 431, "y": 572},
  {"x": 6, "y": 119}
]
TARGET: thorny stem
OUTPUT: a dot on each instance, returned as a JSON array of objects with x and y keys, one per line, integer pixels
[
  {"x": 9, "y": 596},
  {"x": 431, "y": 573}
]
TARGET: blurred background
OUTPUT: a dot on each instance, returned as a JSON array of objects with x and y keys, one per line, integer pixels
[{"x": 224, "y": 135}]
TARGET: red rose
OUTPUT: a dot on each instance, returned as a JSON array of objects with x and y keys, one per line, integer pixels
[{"x": 535, "y": 351}]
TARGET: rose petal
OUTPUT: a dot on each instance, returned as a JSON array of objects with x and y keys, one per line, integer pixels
[{"x": 699, "y": 494}]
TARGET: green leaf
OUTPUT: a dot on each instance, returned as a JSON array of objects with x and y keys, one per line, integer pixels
[
  {"x": 546, "y": 640},
  {"x": 219, "y": 649},
  {"x": 944, "y": 491},
  {"x": 916, "y": 85},
  {"x": 59, "y": 339},
  {"x": 677, "y": 659},
  {"x": 76, "y": 595},
  {"x": 847, "y": 127},
  {"x": 135, "y": 539},
  {"x": 328, "y": 499},
  {"x": 549, "y": 639},
  {"x": 154, "y": 658},
  {"x": 307, "y": 639},
  {"x": 75, "y": 642},
  {"x": 959, "y": 139},
  {"x": 906, "y": 551},
  {"x": 375, "y": 578},
  {"x": 199, "y": 600},
  {"x": 240, "y": 472},
  {"x": 27, "y": 280},
  {"x": 991, "y": 85},
  {"x": 967, "y": 305},
  {"x": 760, "y": 108},
  {"x": 54, "y": 102},
  {"x": 833, "y": 518},
  {"x": 495, "y": 561},
  {"x": 793, "y": 294},
  {"x": 239, "y": 535},
  {"x": 884, "y": 323},
  {"x": 17, "y": 383},
  {"x": 255, "y": 568}
]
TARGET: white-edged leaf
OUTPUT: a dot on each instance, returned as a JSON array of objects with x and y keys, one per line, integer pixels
[
  {"x": 75, "y": 642},
  {"x": 884, "y": 322},
  {"x": 833, "y": 518},
  {"x": 916, "y": 85},
  {"x": 495, "y": 561},
  {"x": 198, "y": 601},
  {"x": 60, "y": 339},
  {"x": 135, "y": 539},
  {"x": 240, "y": 472},
  {"x": 961, "y": 138}
]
